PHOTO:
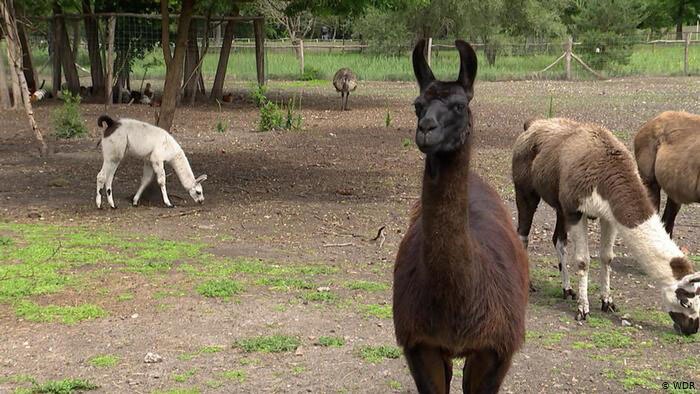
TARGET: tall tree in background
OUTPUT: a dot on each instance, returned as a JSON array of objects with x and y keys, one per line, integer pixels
[
  {"x": 93, "y": 43},
  {"x": 217, "y": 88},
  {"x": 173, "y": 61},
  {"x": 64, "y": 51}
]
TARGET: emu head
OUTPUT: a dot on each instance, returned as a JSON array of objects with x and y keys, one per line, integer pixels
[
  {"x": 196, "y": 191},
  {"x": 442, "y": 108},
  {"x": 682, "y": 302}
]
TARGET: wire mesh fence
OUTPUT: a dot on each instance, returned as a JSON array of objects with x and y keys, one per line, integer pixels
[{"x": 138, "y": 58}]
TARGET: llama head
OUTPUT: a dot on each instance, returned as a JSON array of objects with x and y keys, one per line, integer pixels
[
  {"x": 196, "y": 191},
  {"x": 442, "y": 108},
  {"x": 682, "y": 302}
]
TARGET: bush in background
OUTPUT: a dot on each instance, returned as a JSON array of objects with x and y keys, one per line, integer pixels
[{"x": 67, "y": 120}]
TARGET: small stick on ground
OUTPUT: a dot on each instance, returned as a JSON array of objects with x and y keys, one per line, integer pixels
[
  {"x": 184, "y": 213},
  {"x": 338, "y": 245}
]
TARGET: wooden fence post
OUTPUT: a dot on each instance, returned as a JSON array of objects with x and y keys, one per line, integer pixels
[
  {"x": 301, "y": 56},
  {"x": 111, "y": 27},
  {"x": 430, "y": 51},
  {"x": 567, "y": 56},
  {"x": 259, "y": 50},
  {"x": 687, "y": 50}
]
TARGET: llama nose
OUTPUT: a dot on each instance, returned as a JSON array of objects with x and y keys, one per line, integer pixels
[{"x": 426, "y": 125}]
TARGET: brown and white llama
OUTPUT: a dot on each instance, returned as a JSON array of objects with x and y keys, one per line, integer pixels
[
  {"x": 461, "y": 275},
  {"x": 582, "y": 171},
  {"x": 667, "y": 149}
]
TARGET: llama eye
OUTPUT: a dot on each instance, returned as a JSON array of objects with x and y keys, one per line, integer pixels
[{"x": 198, "y": 192}]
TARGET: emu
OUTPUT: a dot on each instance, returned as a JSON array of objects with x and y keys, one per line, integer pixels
[
  {"x": 461, "y": 275},
  {"x": 154, "y": 146},
  {"x": 344, "y": 82},
  {"x": 667, "y": 149},
  {"x": 583, "y": 171}
]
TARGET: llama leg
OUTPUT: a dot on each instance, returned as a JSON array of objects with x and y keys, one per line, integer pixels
[
  {"x": 110, "y": 170},
  {"x": 145, "y": 180},
  {"x": 560, "y": 240},
  {"x": 670, "y": 212},
  {"x": 101, "y": 179},
  {"x": 607, "y": 241},
  {"x": 160, "y": 176},
  {"x": 428, "y": 369},
  {"x": 484, "y": 372},
  {"x": 654, "y": 191},
  {"x": 526, "y": 202},
  {"x": 579, "y": 236}
]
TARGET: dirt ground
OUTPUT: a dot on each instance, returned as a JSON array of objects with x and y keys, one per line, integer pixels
[{"x": 315, "y": 198}]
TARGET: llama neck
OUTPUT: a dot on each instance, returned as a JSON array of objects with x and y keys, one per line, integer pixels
[
  {"x": 183, "y": 170},
  {"x": 652, "y": 247},
  {"x": 445, "y": 209}
]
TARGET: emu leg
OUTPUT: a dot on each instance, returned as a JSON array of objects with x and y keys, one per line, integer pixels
[
  {"x": 342, "y": 101},
  {"x": 607, "y": 240},
  {"x": 347, "y": 97},
  {"x": 669, "y": 217},
  {"x": 160, "y": 177},
  {"x": 484, "y": 372},
  {"x": 559, "y": 239},
  {"x": 429, "y": 368},
  {"x": 579, "y": 235},
  {"x": 145, "y": 180}
]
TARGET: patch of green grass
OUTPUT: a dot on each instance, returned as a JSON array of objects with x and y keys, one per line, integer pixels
[
  {"x": 640, "y": 379},
  {"x": 185, "y": 376},
  {"x": 610, "y": 340},
  {"x": 285, "y": 284},
  {"x": 65, "y": 386},
  {"x": 580, "y": 345},
  {"x": 6, "y": 241},
  {"x": 376, "y": 354},
  {"x": 269, "y": 344},
  {"x": 650, "y": 316},
  {"x": 366, "y": 285},
  {"x": 219, "y": 288},
  {"x": 65, "y": 314},
  {"x": 17, "y": 379},
  {"x": 552, "y": 338},
  {"x": 331, "y": 341},
  {"x": 672, "y": 390},
  {"x": 320, "y": 296},
  {"x": 235, "y": 375},
  {"x": 298, "y": 369},
  {"x": 214, "y": 384},
  {"x": 406, "y": 142},
  {"x": 597, "y": 322},
  {"x": 204, "y": 350},
  {"x": 125, "y": 297},
  {"x": 395, "y": 385},
  {"x": 380, "y": 311},
  {"x": 248, "y": 361},
  {"x": 609, "y": 373},
  {"x": 104, "y": 361},
  {"x": 671, "y": 337}
]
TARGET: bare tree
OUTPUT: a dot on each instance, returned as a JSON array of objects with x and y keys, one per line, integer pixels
[
  {"x": 297, "y": 25},
  {"x": 15, "y": 59}
]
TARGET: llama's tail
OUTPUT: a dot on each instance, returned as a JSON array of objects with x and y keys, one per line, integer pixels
[
  {"x": 529, "y": 122},
  {"x": 105, "y": 119},
  {"x": 645, "y": 150}
]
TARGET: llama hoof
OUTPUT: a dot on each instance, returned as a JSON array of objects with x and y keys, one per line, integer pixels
[
  {"x": 569, "y": 293},
  {"x": 170, "y": 206},
  {"x": 581, "y": 316},
  {"x": 608, "y": 306}
]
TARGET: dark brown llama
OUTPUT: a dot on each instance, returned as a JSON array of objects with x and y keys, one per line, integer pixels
[{"x": 461, "y": 274}]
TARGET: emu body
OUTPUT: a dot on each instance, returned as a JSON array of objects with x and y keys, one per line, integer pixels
[
  {"x": 667, "y": 149},
  {"x": 583, "y": 171},
  {"x": 153, "y": 145},
  {"x": 460, "y": 279},
  {"x": 344, "y": 82}
]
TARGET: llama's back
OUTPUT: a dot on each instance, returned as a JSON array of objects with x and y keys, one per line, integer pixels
[{"x": 144, "y": 139}]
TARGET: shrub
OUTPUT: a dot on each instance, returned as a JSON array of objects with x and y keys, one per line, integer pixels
[
  {"x": 68, "y": 122},
  {"x": 311, "y": 74},
  {"x": 272, "y": 117},
  {"x": 257, "y": 94}
]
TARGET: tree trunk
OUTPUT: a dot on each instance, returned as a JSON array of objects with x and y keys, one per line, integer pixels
[
  {"x": 173, "y": 74},
  {"x": 190, "y": 79},
  {"x": 679, "y": 28},
  {"x": 66, "y": 54},
  {"x": 54, "y": 50},
  {"x": 4, "y": 92},
  {"x": 93, "y": 43},
  {"x": 27, "y": 63},
  {"x": 76, "y": 38},
  {"x": 15, "y": 58},
  {"x": 16, "y": 91},
  {"x": 217, "y": 90}
]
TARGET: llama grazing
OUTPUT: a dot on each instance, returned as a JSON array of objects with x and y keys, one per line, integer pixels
[
  {"x": 151, "y": 144},
  {"x": 583, "y": 171},
  {"x": 344, "y": 82},
  {"x": 461, "y": 275},
  {"x": 667, "y": 149}
]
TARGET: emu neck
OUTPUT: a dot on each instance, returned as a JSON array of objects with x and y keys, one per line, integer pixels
[
  {"x": 445, "y": 209},
  {"x": 183, "y": 170}
]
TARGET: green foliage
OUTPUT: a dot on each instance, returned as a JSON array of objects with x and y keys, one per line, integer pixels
[
  {"x": 331, "y": 341},
  {"x": 640, "y": 379},
  {"x": 67, "y": 120},
  {"x": 51, "y": 313},
  {"x": 272, "y": 116},
  {"x": 285, "y": 284},
  {"x": 386, "y": 32},
  {"x": 104, "y": 361},
  {"x": 269, "y": 344},
  {"x": 387, "y": 119},
  {"x": 380, "y": 311},
  {"x": 376, "y": 354},
  {"x": 258, "y": 95},
  {"x": 219, "y": 288},
  {"x": 311, "y": 74},
  {"x": 221, "y": 125},
  {"x": 235, "y": 375},
  {"x": 185, "y": 376},
  {"x": 550, "y": 110},
  {"x": 320, "y": 296},
  {"x": 611, "y": 340},
  {"x": 65, "y": 386},
  {"x": 366, "y": 285}
]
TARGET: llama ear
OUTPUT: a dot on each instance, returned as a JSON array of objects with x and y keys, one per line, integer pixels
[
  {"x": 424, "y": 75},
  {"x": 200, "y": 179},
  {"x": 467, "y": 65}
]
